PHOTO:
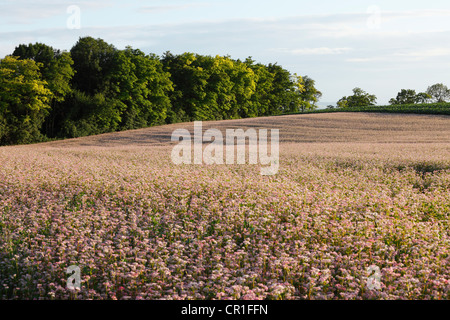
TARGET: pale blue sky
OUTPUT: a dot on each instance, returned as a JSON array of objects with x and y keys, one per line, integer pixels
[{"x": 380, "y": 46}]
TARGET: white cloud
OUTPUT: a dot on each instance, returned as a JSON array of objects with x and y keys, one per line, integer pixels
[
  {"x": 405, "y": 56},
  {"x": 423, "y": 54},
  {"x": 163, "y": 8},
  {"x": 314, "y": 51},
  {"x": 362, "y": 60},
  {"x": 29, "y": 11}
]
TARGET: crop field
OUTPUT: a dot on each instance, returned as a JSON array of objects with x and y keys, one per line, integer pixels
[{"x": 354, "y": 192}]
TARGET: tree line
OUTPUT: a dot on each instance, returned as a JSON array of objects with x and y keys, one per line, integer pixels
[
  {"x": 437, "y": 93},
  {"x": 46, "y": 93}
]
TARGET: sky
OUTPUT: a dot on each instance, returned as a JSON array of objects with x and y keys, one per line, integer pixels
[{"x": 379, "y": 46}]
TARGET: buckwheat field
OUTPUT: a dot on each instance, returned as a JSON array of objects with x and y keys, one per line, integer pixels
[{"x": 354, "y": 192}]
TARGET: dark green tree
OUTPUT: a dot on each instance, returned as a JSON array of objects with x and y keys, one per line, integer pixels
[
  {"x": 189, "y": 82},
  {"x": 56, "y": 69},
  {"x": 285, "y": 95},
  {"x": 93, "y": 60},
  {"x": 139, "y": 82}
]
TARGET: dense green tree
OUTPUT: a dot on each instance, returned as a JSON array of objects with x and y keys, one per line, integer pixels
[
  {"x": 209, "y": 88},
  {"x": 56, "y": 69},
  {"x": 141, "y": 85},
  {"x": 190, "y": 81},
  {"x": 24, "y": 101},
  {"x": 260, "y": 100},
  {"x": 96, "y": 88},
  {"x": 360, "y": 98},
  {"x": 286, "y": 90},
  {"x": 230, "y": 86},
  {"x": 279, "y": 91},
  {"x": 89, "y": 114},
  {"x": 136, "y": 96},
  {"x": 93, "y": 60},
  {"x": 56, "y": 66},
  {"x": 244, "y": 82},
  {"x": 89, "y": 108}
]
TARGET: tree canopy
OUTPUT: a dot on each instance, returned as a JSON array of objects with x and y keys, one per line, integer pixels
[
  {"x": 359, "y": 98},
  {"x": 409, "y": 96},
  {"x": 95, "y": 88},
  {"x": 24, "y": 101},
  {"x": 439, "y": 93}
]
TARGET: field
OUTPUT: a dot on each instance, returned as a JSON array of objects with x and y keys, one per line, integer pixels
[{"x": 353, "y": 191}]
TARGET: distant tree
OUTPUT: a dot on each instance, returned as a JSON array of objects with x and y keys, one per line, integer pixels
[
  {"x": 24, "y": 101},
  {"x": 342, "y": 103},
  {"x": 408, "y": 96},
  {"x": 244, "y": 82},
  {"x": 360, "y": 98},
  {"x": 405, "y": 96},
  {"x": 330, "y": 106},
  {"x": 439, "y": 92},
  {"x": 310, "y": 95},
  {"x": 190, "y": 100},
  {"x": 423, "y": 97},
  {"x": 134, "y": 95}
]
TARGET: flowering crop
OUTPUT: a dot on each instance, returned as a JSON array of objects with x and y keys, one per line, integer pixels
[{"x": 140, "y": 227}]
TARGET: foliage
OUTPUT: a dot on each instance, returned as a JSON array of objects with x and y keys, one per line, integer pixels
[
  {"x": 140, "y": 84},
  {"x": 359, "y": 98},
  {"x": 93, "y": 61},
  {"x": 410, "y": 108},
  {"x": 90, "y": 114},
  {"x": 24, "y": 101},
  {"x": 97, "y": 88},
  {"x": 309, "y": 95},
  {"x": 56, "y": 69},
  {"x": 216, "y": 88},
  {"x": 56, "y": 66},
  {"x": 432, "y": 108},
  {"x": 408, "y": 96},
  {"x": 439, "y": 93}
]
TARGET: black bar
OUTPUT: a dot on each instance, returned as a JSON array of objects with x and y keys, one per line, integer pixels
[{"x": 231, "y": 309}]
